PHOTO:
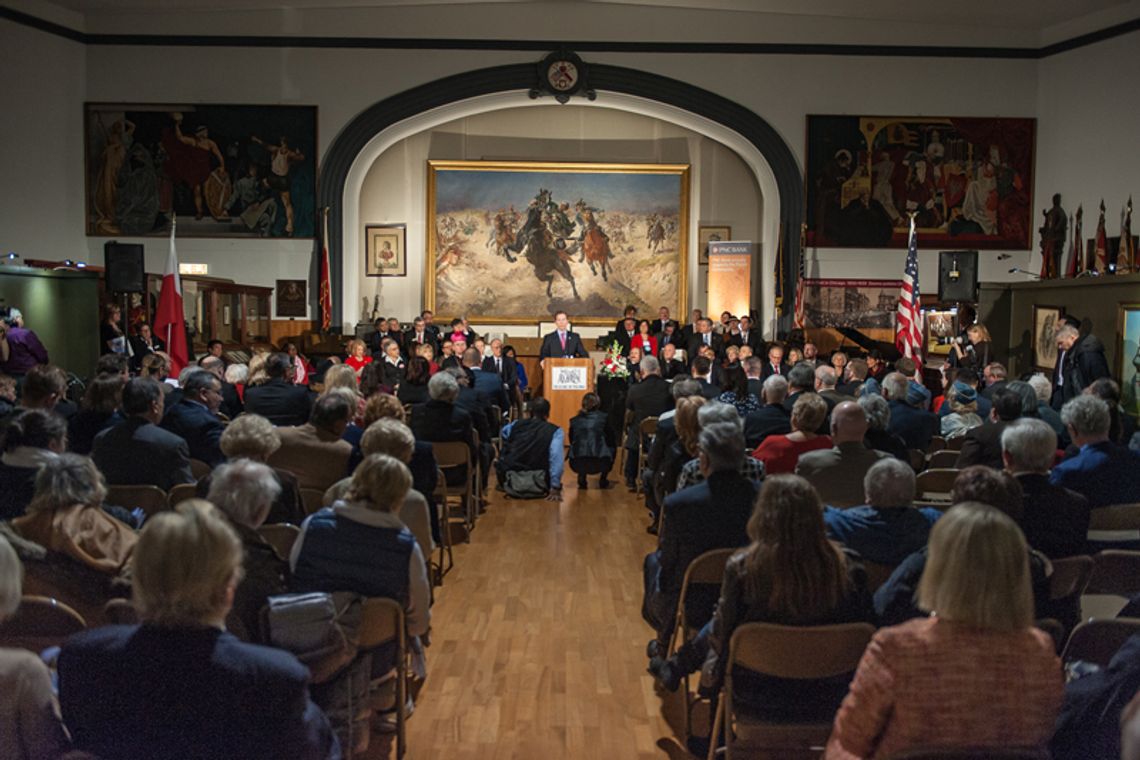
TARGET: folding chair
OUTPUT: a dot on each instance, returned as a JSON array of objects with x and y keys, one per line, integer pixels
[
  {"x": 281, "y": 536},
  {"x": 877, "y": 574},
  {"x": 451, "y": 455},
  {"x": 1097, "y": 641},
  {"x": 707, "y": 569},
  {"x": 1115, "y": 579},
  {"x": 181, "y": 493},
  {"x": 955, "y": 444},
  {"x": 381, "y": 621},
  {"x": 1115, "y": 525},
  {"x": 151, "y": 499},
  {"x": 120, "y": 612},
  {"x": 627, "y": 420},
  {"x": 1066, "y": 585},
  {"x": 937, "y": 443},
  {"x": 943, "y": 460},
  {"x": 917, "y": 459},
  {"x": 40, "y": 622},
  {"x": 199, "y": 469},
  {"x": 440, "y": 497},
  {"x": 313, "y": 499},
  {"x": 934, "y": 484},
  {"x": 793, "y": 652},
  {"x": 646, "y": 430}
]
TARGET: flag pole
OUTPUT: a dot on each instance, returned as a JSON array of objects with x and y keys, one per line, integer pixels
[{"x": 173, "y": 230}]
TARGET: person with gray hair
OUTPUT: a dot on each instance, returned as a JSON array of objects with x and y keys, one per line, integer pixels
[
  {"x": 712, "y": 514},
  {"x": 837, "y": 473},
  {"x": 1044, "y": 390},
  {"x": 649, "y": 398},
  {"x": 909, "y": 418},
  {"x": 1102, "y": 471},
  {"x": 316, "y": 452},
  {"x": 771, "y": 419},
  {"x": 195, "y": 417},
  {"x": 1054, "y": 519},
  {"x": 888, "y": 528},
  {"x": 1082, "y": 362},
  {"x": 683, "y": 387},
  {"x": 440, "y": 420},
  {"x": 879, "y": 435},
  {"x": 717, "y": 414},
  {"x": 244, "y": 491}
]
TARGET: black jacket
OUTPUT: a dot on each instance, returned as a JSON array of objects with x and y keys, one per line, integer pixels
[
  {"x": 649, "y": 398},
  {"x": 589, "y": 436},
  {"x": 551, "y": 346},
  {"x": 770, "y": 419},
  {"x": 509, "y": 373},
  {"x": 1055, "y": 520},
  {"x": 982, "y": 445},
  {"x": 137, "y": 452},
  {"x": 282, "y": 403},
  {"x": 915, "y": 426},
  {"x": 1083, "y": 364}
]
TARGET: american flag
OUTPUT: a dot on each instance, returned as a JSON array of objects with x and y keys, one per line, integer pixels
[
  {"x": 909, "y": 328},
  {"x": 799, "y": 307}
]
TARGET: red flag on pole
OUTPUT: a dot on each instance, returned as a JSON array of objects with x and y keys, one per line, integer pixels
[
  {"x": 324, "y": 286},
  {"x": 169, "y": 322},
  {"x": 1100, "y": 246},
  {"x": 909, "y": 324},
  {"x": 1076, "y": 259},
  {"x": 1126, "y": 253}
]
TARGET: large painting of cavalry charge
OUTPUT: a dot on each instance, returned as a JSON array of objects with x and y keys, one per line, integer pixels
[
  {"x": 515, "y": 242},
  {"x": 968, "y": 181},
  {"x": 223, "y": 170}
]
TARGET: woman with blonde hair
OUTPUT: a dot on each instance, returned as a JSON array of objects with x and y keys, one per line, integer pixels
[
  {"x": 357, "y": 358},
  {"x": 157, "y": 367},
  {"x": 344, "y": 376},
  {"x": 978, "y": 351},
  {"x": 975, "y": 673},
  {"x": 178, "y": 684},
  {"x": 780, "y": 453},
  {"x": 257, "y": 375}
]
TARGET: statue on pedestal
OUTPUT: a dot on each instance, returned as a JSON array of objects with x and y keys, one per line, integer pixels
[{"x": 1053, "y": 239}]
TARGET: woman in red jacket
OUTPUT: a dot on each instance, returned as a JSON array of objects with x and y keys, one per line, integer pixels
[{"x": 644, "y": 340}]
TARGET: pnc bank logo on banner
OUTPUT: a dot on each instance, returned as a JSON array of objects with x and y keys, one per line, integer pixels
[{"x": 730, "y": 247}]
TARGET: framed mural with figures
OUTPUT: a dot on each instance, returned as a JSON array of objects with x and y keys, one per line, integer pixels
[
  {"x": 1045, "y": 322},
  {"x": 243, "y": 171},
  {"x": 515, "y": 242},
  {"x": 969, "y": 181}
]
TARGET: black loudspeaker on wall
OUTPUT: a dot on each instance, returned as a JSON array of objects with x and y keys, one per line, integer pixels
[
  {"x": 958, "y": 276},
  {"x": 125, "y": 268}
]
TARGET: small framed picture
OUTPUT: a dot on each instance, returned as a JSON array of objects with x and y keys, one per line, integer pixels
[
  {"x": 291, "y": 298},
  {"x": 1045, "y": 322},
  {"x": 384, "y": 253},
  {"x": 708, "y": 233}
]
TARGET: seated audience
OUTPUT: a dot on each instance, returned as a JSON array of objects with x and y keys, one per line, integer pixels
[
  {"x": 800, "y": 380},
  {"x": 968, "y": 378},
  {"x": 195, "y": 417},
  {"x": 357, "y": 358},
  {"x": 232, "y": 404},
  {"x": 889, "y": 528},
  {"x": 137, "y": 451},
  {"x": 237, "y": 375},
  {"x": 737, "y": 394},
  {"x": 1093, "y": 710},
  {"x": 649, "y": 398},
  {"x": 20, "y": 348},
  {"x": 277, "y": 398},
  {"x": 31, "y": 438},
  {"x": 66, "y": 516},
  {"x": 982, "y": 445},
  {"x": 855, "y": 376},
  {"x": 664, "y": 449},
  {"x": 838, "y": 472},
  {"x": 301, "y": 366},
  {"x": 45, "y": 387},
  {"x": 701, "y": 368},
  {"x": 781, "y": 453},
  {"x": 1103, "y": 472},
  {"x": 825, "y": 382},
  {"x": 709, "y": 515},
  {"x": 441, "y": 420},
  {"x": 963, "y": 415},
  {"x": 413, "y": 389},
  {"x": 909, "y": 418},
  {"x": 1055, "y": 520},
  {"x": 771, "y": 418},
  {"x": 392, "y": 364},
  {"x": 1003, "y": 675},
  {"x": 1121, "y": 426},
  {"x": 96, "y": 413},
  {"x": 993, "y": 379},
  {"x": 488, "y": 383},
  {"x": 179, "y": 685},
  {"x": 1044, "y": 390},
  {"x": 316, "y": 451},
  {"x": 259, "y": 373},
  {"x": 156, "y": 367},
  {"x": 342, "y": 377},
  {"x": 591, "y": 442},
  {"x": 712, "y": 413},
  {"x": 252, "y": 437},
  {"x": 879, "y": 435},
  {"x": 30, "y": 726},
  {"x": 533, "y": 444},
  {"x": 392, "y": 437},
  {"x": 244, "y": 491}
]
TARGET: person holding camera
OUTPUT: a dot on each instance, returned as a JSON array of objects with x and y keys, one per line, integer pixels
[
  {"x": 975, "y": 351},
  {"x": 20, "y": 348}
]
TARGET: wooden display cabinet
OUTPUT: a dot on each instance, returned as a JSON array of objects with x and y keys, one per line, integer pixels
[{"x": 237, "y": 315}]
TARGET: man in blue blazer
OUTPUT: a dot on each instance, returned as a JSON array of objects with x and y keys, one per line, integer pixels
[
  {"x": 279, "y": 400},
  {"x": 489, "y": 384},
  {"x": 137, "y": 451},
  {"x": 562, "y": 343},
  {"x": 195, "y": 417},
  {"x": 1102, "y": 471}
]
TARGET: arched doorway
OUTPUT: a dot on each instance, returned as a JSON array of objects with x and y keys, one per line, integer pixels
[{"x": 395, "y": 118}]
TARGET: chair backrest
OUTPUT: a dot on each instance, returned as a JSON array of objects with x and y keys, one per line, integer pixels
[
  {"x": 877, "y": 574},
  {"x": 973, "y": 753},
  {"x": 450, "y": 454},
  {"x": 440, "y": 492},
  {"x": 707, "y": 569},
  {"x": 799, "y": 652},
  {"x": 281, "y": 536},
  {"x": 1098, "y": 641},
  {"x": 1116, "y": 517},
  {"x": 1115, "y": 571},
  {"x": 181, "y": 493},
  {"x": 937, "y": 443},
  {"x": 917, "y": 459},
  {"x": 936, "y": 480},
  {"x": 944, "y": 460},
  {"x": 40, "y": 622},
  {"x": 313, "y": 499},
  {"x": 120, "y": 612},
  {"x": 381, "y": 620},
  {"x": 955, "y": 444},
  {"x": 648, "y": 426},
  {"x": 199, "y": 469},
  {"x": 1070, "y": 576},
  {"x": 151, "y": 499}
]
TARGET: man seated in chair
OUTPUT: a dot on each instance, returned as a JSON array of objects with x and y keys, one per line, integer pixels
[
  {"x": 531, "y": 445},
  {"x": 195, "y": 417},
  {"x": 137, "y": 451}
]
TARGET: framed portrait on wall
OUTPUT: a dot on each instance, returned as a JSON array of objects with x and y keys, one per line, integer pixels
[
  {"x": 710, "y": 233},
  {"x": 384, "y": 254},
  {"x": 1045, "y": 321},
  {"x": 291, "y": 298},
  {"x": 1128, "y": 357}
]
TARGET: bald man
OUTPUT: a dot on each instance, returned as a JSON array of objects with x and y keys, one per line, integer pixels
[{"x": 837, "y": 473}]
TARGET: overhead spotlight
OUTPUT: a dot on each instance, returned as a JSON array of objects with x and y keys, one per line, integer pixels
[{"x": 81, "y": 264}]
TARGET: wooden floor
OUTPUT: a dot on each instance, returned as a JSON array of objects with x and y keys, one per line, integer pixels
[{"x": 538, "y": 647}]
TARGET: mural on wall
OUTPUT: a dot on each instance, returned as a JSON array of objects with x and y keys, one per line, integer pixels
[
  {"x": 225, "y": 170},
  {"x": 850, "y": 303},
  {"x": 969, "y": 181},
  {"x": 515, "y": 242}
]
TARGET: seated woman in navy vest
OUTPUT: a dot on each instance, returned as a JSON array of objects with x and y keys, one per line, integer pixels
[
  {"x": 359, "y": 545},
  {"x": 591, "y": 443},
  {"x": 533, "y": 444}
]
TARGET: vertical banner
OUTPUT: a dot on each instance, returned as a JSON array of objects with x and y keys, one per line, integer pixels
[{"x": 730, "y": 277}]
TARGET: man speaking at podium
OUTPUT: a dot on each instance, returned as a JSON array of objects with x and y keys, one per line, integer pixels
[{"x": 562, "y": 343}]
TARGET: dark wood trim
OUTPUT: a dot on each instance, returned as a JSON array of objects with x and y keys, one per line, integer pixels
[{"x": 585, "y": 46}]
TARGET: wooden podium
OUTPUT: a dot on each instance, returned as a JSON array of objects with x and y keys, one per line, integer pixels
[{"x": 564, "y": 383}]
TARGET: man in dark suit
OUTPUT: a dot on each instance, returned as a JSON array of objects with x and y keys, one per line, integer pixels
[
  {"x": 671, "y": 334},
  {"x": 144, "y": 343},
  {"x": 909, "y": 421},
  {"x": 648, "y": 398},
  {"x": 488, "y": 384},
  {"x": 712, "y": 514},
  {"x": 1103, "y": 472},
  {"x": 825, "y": 381},
  {"x": 629, "y": 313},
  {"x": 278, "y": 400},
  {"x": 753, "y": 369},
  {"x": 692, "y": 328},
  {"x": 502, "y": 365},
  {"x": 441, "y": 419},
  {"x": 625, "y": 334},
  {"x": 704, "y": 336},
  {"x": 982, "y": 445},
  {"x": 1055, "y": 520},
  {"x": 180, "y": 685},
  {"x": 671, "y": 366},
  {"x": 993, "y": 376},
  {"x": 195, "y": 417},
  {"x": 658, "y": 325},
  {"x": 375, "y": 339},
  {"x": 232, "y": 405},
  {"x": 419, "y": 334},
  {"x": 137, "y": 451},
  {"x": 666, "y": 436},
  {"x": 1084, "y": 362},
  {"x": 701, "y": 369},
  {"x": 746, "y": 336},
  {"x": 562, "y": 342},
  {"x": 775, "y": 364},
  {"x": 772, "y": 418}
]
